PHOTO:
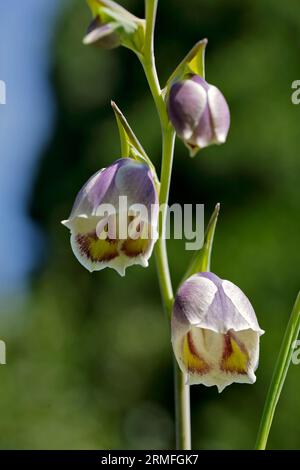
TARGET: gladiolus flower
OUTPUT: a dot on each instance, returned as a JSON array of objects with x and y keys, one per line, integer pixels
[
  {"x": 113, "y": 222},
  {"x": 215, "y": 333},
  {"x": 199, "y": 113}
]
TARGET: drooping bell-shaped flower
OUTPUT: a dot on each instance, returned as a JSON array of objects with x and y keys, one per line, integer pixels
[
  {"x": 198, "y": 112},
  {"x": 114, "y": 219},
  {"x": 215, "y": 333}
]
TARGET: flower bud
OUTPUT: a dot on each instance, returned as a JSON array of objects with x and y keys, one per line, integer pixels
[
  {"x": 101, "y": 35},
  {"x": 114, "y": 26},
  {"x": 114, "y": 219},
  {"x": 215, "y": 333},
  {"x": 198, "y": 112}
]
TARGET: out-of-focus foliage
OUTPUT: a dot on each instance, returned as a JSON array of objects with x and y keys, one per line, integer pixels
[{"x": 89, "y": 356}]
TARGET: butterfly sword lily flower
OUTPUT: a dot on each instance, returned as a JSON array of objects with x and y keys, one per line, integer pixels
[
  {"x": 215, "y": 333},
  {"x": 114, "y": 219}
]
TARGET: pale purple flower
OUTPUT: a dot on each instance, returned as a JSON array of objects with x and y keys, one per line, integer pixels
[
  {"x": 198, "y": 112},
  {"x": 113, "y": 222},
  {"x": 215, "y": 333}
]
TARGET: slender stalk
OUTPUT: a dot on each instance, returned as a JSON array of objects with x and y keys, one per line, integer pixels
[
  {"x": 182, "y": 395},
  {"x": 279, "y": 375},
  {"x": 148, "y": 63},
  {"x": 161, "y": 248},
  {"x": 182, "y": 410}
]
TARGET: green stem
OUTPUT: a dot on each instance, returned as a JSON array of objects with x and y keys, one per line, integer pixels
[
  {"x": 148, "y": 63},
  {"x": 182, "y": 410},
  {"x": 161, "y": 248},
  {"x": 279, "y": 375},
  {"x": 182, "y": 394}
]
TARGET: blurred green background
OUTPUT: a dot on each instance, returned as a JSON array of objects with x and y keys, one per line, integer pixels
[{"x": 89, "y": 362}]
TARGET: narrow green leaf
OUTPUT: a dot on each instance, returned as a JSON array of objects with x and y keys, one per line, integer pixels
[
  {"x": 193, "y": 63},
  {"x": 129, "y": 141},
  {"x": 111, "y": 7},
  {"x": 124, "y": 134},
  {"x": 201, "y": 260},
  {"x": 279, "y": 375},
  {"x": 130, "y": 145}
]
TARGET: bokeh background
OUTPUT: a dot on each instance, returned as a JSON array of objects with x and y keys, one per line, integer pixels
[{"x": 89, "y": 364}]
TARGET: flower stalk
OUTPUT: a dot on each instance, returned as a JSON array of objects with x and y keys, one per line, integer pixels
[{"x": 182, "y": 393}]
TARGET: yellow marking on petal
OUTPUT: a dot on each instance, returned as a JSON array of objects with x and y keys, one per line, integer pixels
[
  {"x": 191, "y": 359},
  {"x": 96, "y": 249},
  {"x": 235, "y": 357},
  {"x": 134, "y": 248}
]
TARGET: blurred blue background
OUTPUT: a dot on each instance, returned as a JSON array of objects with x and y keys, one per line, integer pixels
[
  {"x": 26, "y": 125},
  {"x": 87, "y": 368}
]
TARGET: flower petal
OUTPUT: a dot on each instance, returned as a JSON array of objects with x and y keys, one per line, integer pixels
[
  {"x": 92, "y": 252},
  {"x": 193, "y": 300},
  {"x": 191, "y": 358},
  {"x": 97, "y": 190},
  {"x": 204, "y": 133},
  {"x": 220, "y": 114},
  {"x": 242, "y": 305},
  {"x": 187, "y": 101},
  {"x": 135, "y": 181},
  {"x": 215, "y": 334}
]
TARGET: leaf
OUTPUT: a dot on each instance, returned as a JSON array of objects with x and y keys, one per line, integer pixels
[
  {"x": 130, "y": 145},
  {"x": 201, "y": 259},
  {"x": 285, "y": 357},
  {"x": 192, "y": 64},
  {"x": 97, "y": 6}
]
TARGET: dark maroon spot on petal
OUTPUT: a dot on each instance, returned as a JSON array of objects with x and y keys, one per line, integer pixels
[{"x": 95, "y": 249}]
